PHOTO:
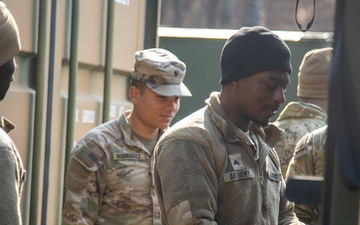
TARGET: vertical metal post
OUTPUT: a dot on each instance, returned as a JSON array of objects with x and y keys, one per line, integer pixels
[
  {"x": 39, "y": 122},
  {"x": 108, "y": 60},
  {"x": 73, "y": 73},
  {"x": 50, "y": 91}
]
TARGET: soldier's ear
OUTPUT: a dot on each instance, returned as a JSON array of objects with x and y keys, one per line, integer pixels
[
  {"x": 134, "y": 94},
  {"x": 235, "y": 82}
]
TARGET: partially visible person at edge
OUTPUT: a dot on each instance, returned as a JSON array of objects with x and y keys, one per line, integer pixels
[
  {"x": 218, "y": 165},
  {"x": 12, "y": 175},
  {"x": 310, "y": 111},
  {"x": 308, "y": 160},
  {"x": 109, "y": 178}
]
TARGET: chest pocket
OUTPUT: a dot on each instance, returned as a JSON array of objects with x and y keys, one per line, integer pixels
[
  {"x": 128, "y": 159},
  {"x": 128, "y": 171},
  {"x": 239, "y": 169}
]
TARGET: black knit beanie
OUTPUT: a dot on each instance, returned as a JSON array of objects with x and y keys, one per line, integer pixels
[{"x": 253, "y": 50}]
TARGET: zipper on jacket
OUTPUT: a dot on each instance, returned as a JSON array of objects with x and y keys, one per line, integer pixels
[{"x": 264, "y": 205}]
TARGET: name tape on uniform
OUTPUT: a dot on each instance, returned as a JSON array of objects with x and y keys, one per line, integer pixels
[
  {"x": 128, "y": 156},
  {"x": 239, "y": 175}
]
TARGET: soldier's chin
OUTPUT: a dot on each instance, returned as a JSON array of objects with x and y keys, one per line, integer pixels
[{"x": 262, "y": 123}]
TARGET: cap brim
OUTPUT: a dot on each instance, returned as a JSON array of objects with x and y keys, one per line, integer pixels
[{"x": 170, "y": 89}]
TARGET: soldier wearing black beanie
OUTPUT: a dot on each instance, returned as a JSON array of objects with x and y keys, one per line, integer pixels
[
  {"x": 224, "y": 151},
  {"x": 252, "y": 50}
]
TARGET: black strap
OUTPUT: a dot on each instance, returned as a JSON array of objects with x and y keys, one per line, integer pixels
[{"x": 311, "y": 21}]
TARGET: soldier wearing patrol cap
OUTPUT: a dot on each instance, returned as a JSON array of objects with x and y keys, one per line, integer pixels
[
  {"x": 109, "y": 177},
  {"x": 310, "y": 112},
  {"x": 12, "y": 176}
]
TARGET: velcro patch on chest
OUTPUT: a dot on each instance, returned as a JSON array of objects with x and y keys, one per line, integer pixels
[
  {"x": 275, "y": 176},
  {"x": 128, "y": 156},
  {"x": 236, "y": 161},
  {"x": 239, "y": 175}
]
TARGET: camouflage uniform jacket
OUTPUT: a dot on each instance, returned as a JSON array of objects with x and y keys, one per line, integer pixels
[
  {"x": 109, "y": 179},
  {"x": 206, "y": 172},
  {"x": 12, "y": 177},
  {"x": 309, "y": 160},
  {"x": 296, "y": 119}
]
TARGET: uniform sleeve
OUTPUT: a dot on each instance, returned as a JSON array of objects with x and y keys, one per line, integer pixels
[
  {"x": 186, "y": 183},
  {"x": 287, "y": 214},
  {"x": 9, "y": 192},
  {"x": 83, "y": 186},
  {"x": 303, "y": 164}
]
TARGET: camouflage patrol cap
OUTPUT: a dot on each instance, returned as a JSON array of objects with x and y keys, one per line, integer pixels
[{"x": 161, "y": 71}]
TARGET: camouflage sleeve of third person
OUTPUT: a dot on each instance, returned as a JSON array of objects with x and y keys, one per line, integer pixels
[{"x": 308, "y": 160}]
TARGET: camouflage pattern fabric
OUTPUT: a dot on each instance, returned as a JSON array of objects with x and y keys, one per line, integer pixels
[
  {"x": 161, "y": 71},
  {"x": 309, "y": 160},
  {"x": 109, "y": 179},
  {"x": 158, "y": 66},
  {"x": 296, "y": 119}
]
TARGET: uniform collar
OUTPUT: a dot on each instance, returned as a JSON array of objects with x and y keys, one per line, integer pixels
[
  {"x": 128, "y": 135},
  {"x": 270, "y": 134},
  {"x": 302, "y": 110},
  {"x": 6, "y": 124}
]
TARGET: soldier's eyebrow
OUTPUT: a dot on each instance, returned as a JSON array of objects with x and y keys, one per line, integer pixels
[{"x": 278, "y": 79}]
